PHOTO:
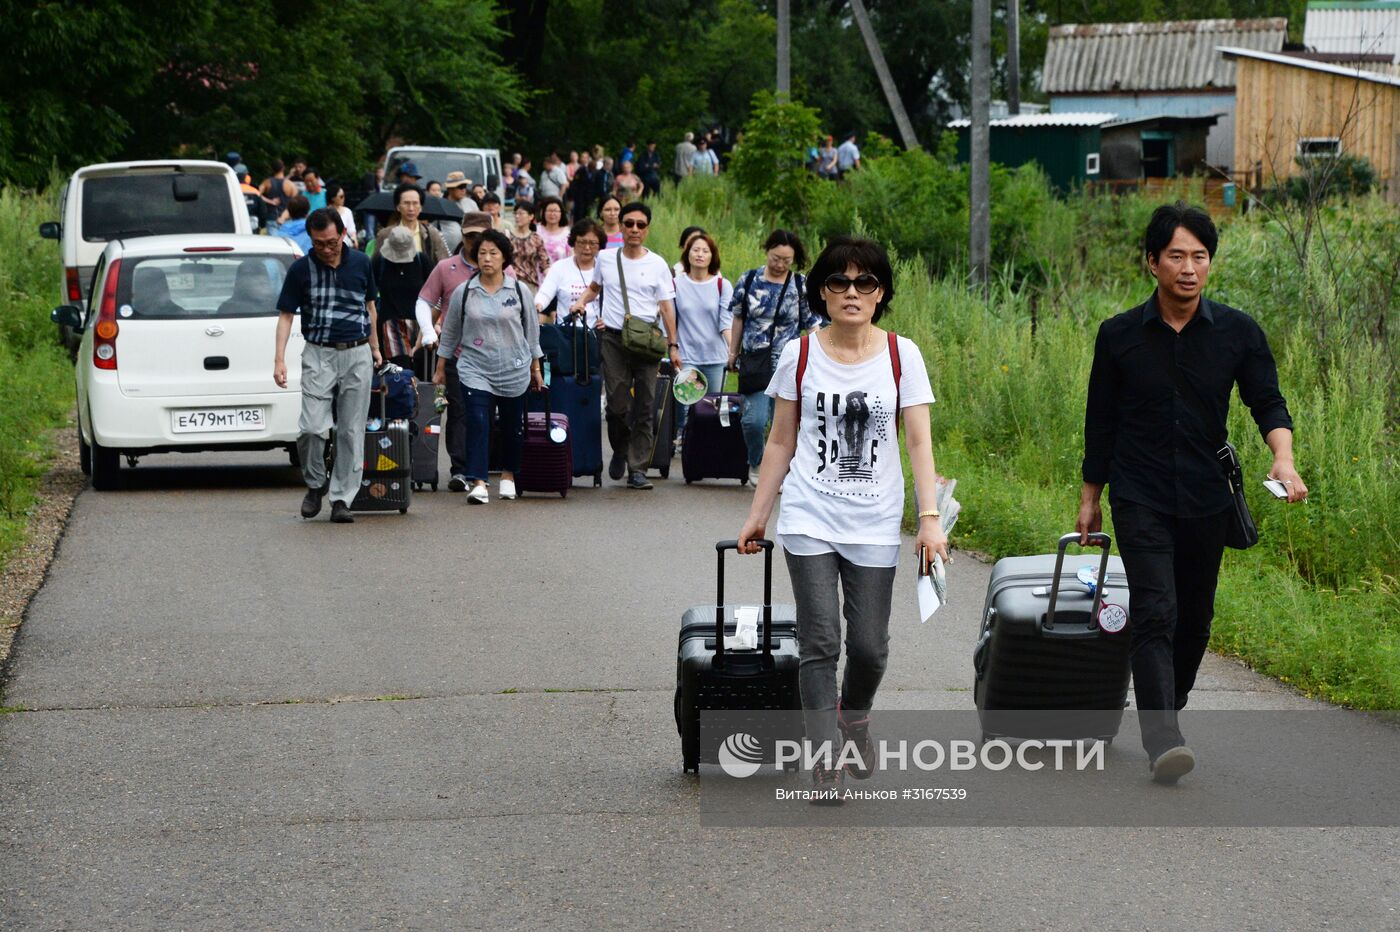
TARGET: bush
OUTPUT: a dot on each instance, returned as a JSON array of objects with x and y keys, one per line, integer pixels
[
  {"x": 1323, "y": 177},
  {"x": 771, "y": 166}
]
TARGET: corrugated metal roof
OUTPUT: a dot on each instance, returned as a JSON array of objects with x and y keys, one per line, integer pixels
[
  {"x": 1045, "y": 119},
  {"x": 1324, "y": 67},
  {"x": 1372, "y": 28},
  {"x": 1137, "y": 57}
]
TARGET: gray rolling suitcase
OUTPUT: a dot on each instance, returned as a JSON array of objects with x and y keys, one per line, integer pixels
[
  {"x": 427, "y": 424},
  {"x": 1042, "y": 649},
  {"x": 711, "y": 678}
]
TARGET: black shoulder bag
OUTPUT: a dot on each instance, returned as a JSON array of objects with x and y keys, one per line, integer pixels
[
  {"x": 756, "y": 366},
  {"x": 1241, "y": 533}
]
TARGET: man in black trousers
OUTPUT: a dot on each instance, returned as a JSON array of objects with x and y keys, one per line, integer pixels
[{"x": 1154, "y": 424}]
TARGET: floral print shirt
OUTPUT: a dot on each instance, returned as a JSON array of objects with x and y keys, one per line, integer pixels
[{"x": 765, "y": 324}]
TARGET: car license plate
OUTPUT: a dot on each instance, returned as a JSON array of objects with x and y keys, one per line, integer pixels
[{"x": 206, "y": 420}]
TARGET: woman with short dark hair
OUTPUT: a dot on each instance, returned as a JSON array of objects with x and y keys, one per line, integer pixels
[
  {"x": 834, "y": 452},
  {"x": 531, "y": 258},
  {"x": 553, "y": 227},
  {"x": 770, "y": 309},
  {"x": 610, "y": 212},
  {"x": 491, "y": 330}
]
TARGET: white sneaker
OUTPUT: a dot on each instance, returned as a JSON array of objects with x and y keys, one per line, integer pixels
[
  {"x": 507, "y": 490},
  {"x": 478, "y": 495},
  {"x": 753, "y": 475}
]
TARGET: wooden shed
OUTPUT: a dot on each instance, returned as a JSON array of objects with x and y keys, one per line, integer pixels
[{"x": 1291, "y": 108}]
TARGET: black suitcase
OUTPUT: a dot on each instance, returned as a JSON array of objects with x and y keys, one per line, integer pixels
[
  {"x": 1042, "y": 650},
  {"x": 709, "y": 678},
  {"x": 663, "y": 416},
  {"x": 427, "y": 428},
  {"x": 387, "y": 483},
  {"x": 712, "y": 450}
]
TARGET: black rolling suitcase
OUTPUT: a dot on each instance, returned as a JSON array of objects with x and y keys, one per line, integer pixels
[
  {"x": 427, "y": 424},
  {"x": 1043, "y": 649},
  {"x": 710, "y": 678},
  {"x": 387, "y": 483},
  {"x": 663, "y": 416},
  {"x": 714, "y": 445}
]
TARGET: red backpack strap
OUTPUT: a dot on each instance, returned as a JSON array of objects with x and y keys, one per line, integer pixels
[
  {"x": 898, "y": 372},
  {"x": 802, "y": 349}
]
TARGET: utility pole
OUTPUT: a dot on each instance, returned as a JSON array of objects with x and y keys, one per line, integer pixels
[
  {"x": 1013, "y": 57},
  {"x": 979, "y": 203},
  {"x": 882, "y": 71},
  {"x": 784, "y": 49}
]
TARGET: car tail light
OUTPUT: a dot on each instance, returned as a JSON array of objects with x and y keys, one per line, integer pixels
[
  {"x": 104, "y": 343},
  {"x": 75, "y": 287}
]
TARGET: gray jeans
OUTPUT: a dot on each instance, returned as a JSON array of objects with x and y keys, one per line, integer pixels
[
  {"x": 865, "y": 602},
  {"x": 345, "y": 375}
]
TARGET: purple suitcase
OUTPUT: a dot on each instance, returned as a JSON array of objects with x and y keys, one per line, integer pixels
[
  {"x": 711, "y": 450},
  {"x": 547, "y": 459}
]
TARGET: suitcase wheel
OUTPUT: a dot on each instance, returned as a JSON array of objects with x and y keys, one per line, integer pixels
[
  {"x": 563, "y": 493},
  {"x": 403, "y": 511},
  {"x": 666, "y": 471},
  {"x": 689, "y": 481},
  {"x": 691, "y": 765},
  {"x": 744, "y": 481},
  {"x": 598, "y": 479},
  {"x": 434, "y": 486},
  {"x": 417, "y": 486}
]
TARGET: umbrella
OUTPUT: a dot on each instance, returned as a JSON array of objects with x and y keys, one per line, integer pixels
[{"x": 381, "y": 204}]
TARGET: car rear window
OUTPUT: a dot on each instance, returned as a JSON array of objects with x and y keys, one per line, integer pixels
[
  {"x": 145, "y": 204},
  {"x": 201, "y": 286},
  {"x": 434, "y": 166}
]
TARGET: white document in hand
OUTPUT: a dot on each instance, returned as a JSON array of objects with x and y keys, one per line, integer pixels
[{"x": 931, "y": 587}]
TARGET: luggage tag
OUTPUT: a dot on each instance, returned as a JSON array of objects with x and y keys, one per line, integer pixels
[
  {"x": 745, "y": 636},
  {"x": 1112, "y": 617},
  {"x": 724, "y": 410}
]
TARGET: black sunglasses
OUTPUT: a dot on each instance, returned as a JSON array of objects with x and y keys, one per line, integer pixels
[
  {"x": 865, "y": 283},
  {"x": 635, "y": 224}
]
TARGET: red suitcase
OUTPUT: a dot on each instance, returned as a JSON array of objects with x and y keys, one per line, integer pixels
[{"x": 547, "y": 459}]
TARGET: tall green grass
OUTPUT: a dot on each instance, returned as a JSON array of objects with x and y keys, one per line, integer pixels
[
  {"x": 1317, "y": 603},
  {"x": 36, "y": 377}
]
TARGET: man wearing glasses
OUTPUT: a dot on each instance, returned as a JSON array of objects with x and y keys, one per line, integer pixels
[
  {"x": 333, "y": 290},
  {"x": 629, "y": 381}
]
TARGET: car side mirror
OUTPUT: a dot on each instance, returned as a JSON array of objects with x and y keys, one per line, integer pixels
[
  {"x": 68, "y": 315},
  {"x": 51, "y": 230}
]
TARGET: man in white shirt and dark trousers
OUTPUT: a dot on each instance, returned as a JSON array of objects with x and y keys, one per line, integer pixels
[{"x": 629, "y": 381}]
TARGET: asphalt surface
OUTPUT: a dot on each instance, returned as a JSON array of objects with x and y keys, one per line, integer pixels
[{"x": 462, "y": 717}]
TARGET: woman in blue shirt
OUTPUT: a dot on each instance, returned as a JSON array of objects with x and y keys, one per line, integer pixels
[{"x": 769, "y": 310}]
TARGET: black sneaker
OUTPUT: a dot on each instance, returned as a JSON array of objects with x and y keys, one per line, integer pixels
[
  {"x": 856, "y": 730},
  {"x": 311, "y": 504},
  {"x": 616, "y": 467},
  {"x": 457, "y": 483},
  {"x": 340, "y": 513},
  {"x": 638, "y": 480},
  {"x": 1172, "y": 764},
  {"x": 827, "y": 784}
]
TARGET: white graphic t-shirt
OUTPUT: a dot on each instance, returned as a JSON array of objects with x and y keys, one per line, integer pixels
[{"x": 846, "y": 483}]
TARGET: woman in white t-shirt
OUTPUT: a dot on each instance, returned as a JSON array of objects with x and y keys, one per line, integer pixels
[
  {"x": 834, "y": 451},
  {"x": 568, "y": 279}
]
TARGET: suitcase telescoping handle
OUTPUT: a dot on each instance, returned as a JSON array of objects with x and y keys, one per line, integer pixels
[
  {"x": 720, "y": 548},
  {"x": 1095, "y": 540}
]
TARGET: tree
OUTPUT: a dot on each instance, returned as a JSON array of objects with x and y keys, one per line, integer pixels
[{"x": 771, "y": 167}]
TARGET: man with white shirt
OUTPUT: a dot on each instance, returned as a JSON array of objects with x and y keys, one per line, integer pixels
[{"x": 630, "y": 381}]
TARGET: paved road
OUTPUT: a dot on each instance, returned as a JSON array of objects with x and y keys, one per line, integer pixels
[{"x": 462, "y": 717}]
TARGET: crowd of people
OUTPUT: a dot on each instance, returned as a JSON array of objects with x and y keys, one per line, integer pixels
[{"x": 825, "y": 390}]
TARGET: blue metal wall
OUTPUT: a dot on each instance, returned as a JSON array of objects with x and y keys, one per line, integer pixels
[{"x": 1220, "y": 143}]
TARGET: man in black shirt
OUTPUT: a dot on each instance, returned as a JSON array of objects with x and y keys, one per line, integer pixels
[{"x": 1159, "y": 393}]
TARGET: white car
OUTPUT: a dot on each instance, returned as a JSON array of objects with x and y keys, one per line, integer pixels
[
  {"x": 124, "y": 200},
  {"x": 177, "y": 347}
]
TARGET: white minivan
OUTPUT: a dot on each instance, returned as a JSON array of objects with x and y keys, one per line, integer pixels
[
  {"x": 176, "y": 350},
  {"x": 125, "y": 200},
  {"x": 481, "y": 166}
]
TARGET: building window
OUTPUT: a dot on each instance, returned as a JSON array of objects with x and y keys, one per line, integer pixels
[
  {"x": 1311, "y": 147},
  {"x": 1091, "y": 163}
]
